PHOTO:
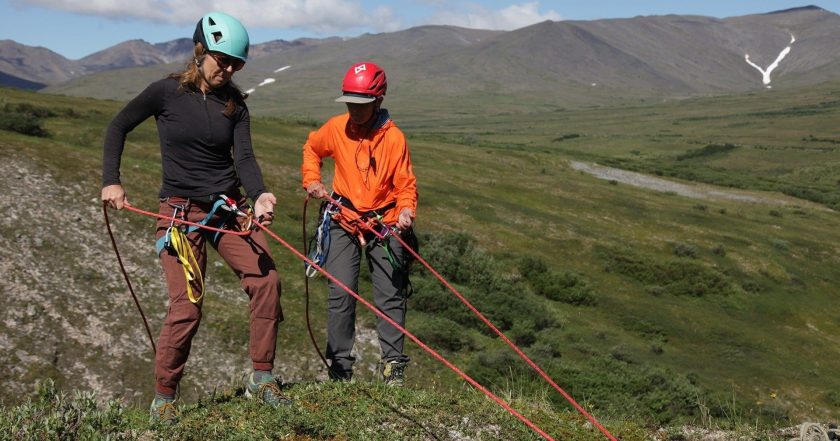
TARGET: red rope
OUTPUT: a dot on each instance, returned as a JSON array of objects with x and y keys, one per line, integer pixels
[
  {"x": 306, "y": 292},
  {"x": 408, "y": 334},
  {"x": 509, "y": 343},
  {"x": 185, "y": 222},
  {"x": 486, "y": 322},
  {"x": 125, "y": 276},
  {"x": 411, "y": 336}
]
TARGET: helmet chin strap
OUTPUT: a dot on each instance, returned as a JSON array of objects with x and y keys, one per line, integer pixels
[
  {"x": 200, "y": 67},
  {"x": 375, "y": 115},
  {"x": 199, "y": 60}
]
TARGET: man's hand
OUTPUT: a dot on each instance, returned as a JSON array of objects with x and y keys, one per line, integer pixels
[
  {"x": 114, "y": 195},
  {"x": 406, "y": 219},
  {"x": 264, "y": 207},
  {"x": 316, "y": 190}
]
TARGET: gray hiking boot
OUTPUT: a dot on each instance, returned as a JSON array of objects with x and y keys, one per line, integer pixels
[
  {"x": 266, "y": 391},
  {"x": 393, "y": 373},
  {"x": 163, "y": 412}
]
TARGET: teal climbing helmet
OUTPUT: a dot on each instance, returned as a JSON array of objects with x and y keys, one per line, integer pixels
[{"x": 219, "y": 32}]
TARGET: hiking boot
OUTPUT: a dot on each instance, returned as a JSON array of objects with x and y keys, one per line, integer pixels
[
  {"x": 393, "y": 373},
  {"x": 266, "y": 391},
  {"x": 163, "y": 411},
  {"x": 339, "y": 375}
]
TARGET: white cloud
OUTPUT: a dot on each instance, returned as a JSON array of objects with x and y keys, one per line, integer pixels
[
  {"x": 323, "y": 16},
  {"x": 508, "y": 18},
  {"x": 330, "y": 17}
]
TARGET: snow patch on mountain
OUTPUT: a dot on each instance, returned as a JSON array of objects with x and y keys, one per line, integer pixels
[{"x": 765, "y": 73}]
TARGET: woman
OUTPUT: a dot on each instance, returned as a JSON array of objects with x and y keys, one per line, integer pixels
[{"x": 204, "y": 129}]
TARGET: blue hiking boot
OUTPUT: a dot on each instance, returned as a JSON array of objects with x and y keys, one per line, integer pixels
[
  {"x": 163, "y": 411},
  {"x": 266, "y": 391}
]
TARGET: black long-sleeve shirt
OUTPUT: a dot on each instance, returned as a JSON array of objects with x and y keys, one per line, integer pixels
[{"x": 203, "y": 151}]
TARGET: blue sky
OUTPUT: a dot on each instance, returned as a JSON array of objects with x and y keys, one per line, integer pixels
[{"x": 76, "y": 28}]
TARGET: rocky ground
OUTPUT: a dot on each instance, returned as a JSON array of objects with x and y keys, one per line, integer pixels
[{"x": 66, "y": 312}]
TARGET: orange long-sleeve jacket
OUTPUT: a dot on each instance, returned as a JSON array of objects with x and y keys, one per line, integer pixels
[{"x": 372, "y": 166}]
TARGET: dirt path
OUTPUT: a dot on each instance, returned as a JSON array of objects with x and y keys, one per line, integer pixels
[{"x": 696, "y": 190}]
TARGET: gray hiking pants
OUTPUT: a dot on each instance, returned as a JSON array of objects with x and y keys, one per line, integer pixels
[{"x": 344, "y": 261}]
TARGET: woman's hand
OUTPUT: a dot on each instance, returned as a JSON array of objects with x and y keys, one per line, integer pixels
[
  {"x": 114, "y": 195},
  {"x": 264, "y": 208}
]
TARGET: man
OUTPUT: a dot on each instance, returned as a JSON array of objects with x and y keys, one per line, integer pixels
[{"x": 373, "y": 178}]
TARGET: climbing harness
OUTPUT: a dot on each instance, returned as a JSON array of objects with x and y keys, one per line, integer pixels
[
  {"x": 356, "y": 222},
  {"x": 360, "y": 224},
  {"x": 221, "y": 202},
  {"x": 176, "y": 242}
]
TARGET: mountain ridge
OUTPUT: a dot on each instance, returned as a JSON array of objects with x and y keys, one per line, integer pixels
[
  {"x": 799, "y": 8},
  {"x": 39, "y": 65},
  {"x": 537, "y": 67}
]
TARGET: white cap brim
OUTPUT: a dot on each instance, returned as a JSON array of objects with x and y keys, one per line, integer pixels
[{"x": 355, "y": 99}]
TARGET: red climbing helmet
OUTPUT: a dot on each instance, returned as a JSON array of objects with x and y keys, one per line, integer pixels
[{"x": 363, "y": 83}]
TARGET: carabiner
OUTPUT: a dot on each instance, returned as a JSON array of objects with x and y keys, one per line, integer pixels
[{"x": 172, "y": 224}]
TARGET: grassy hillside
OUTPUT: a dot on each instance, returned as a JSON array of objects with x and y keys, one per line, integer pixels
[
  {"x": 648, "y": 307},
  {"x": 320, "y": 411}
]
